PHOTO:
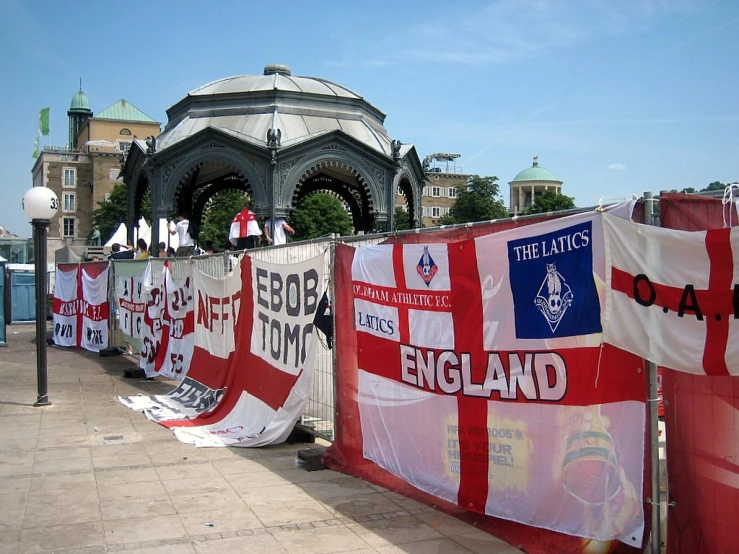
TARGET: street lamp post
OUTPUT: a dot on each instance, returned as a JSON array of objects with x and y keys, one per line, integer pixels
[{"x": 40, "y": 204}]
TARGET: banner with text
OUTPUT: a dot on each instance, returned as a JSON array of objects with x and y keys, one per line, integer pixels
[
  {"x": 81, "y": 308},
  {"x": 252, "y": 363},
  {"x": 674, "y": 297},
  {"x": 481, "y": 379},
  {"x": 168, "y": 331}
]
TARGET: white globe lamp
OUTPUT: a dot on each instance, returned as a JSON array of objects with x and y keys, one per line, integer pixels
[{"x": 40, "y": 204}]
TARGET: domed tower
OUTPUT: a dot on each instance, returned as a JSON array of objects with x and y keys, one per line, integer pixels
[
  {"x": 529, "y": 183},
  {"x": 79, "y": 112}
]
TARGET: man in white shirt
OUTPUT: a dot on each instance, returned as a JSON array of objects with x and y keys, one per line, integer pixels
[
  {"x": 281, "y": 227},
  {"x": 181, "y": 229}
]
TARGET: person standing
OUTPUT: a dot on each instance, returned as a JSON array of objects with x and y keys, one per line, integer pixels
[
  {"x": 281, "y": 227},
  {"x": 245, "y": 232},
  {"x": 117, "y": 254},
  {"x": 182, "y": 230},
  {"x": 143, "y": 251}
]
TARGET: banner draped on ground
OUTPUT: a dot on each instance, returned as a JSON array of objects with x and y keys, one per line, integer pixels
[
  {"x": 81, "y": 307},
  {"x": 476, "y": 372},
  {"x": 674, "y": 296},
  {"x": 253, "y": 394},
  {"x": 701, "y": 415}
]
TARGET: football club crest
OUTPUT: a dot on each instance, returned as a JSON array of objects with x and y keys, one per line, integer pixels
[
  {"x": 552, "y": 283},
  {"x": 554, "y": 297},
  {"x": 427, "y": 267}
]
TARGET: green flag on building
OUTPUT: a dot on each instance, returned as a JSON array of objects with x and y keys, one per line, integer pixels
[
  {"x": 43, "y": 121},
  {"x": 35, "y": 146}
]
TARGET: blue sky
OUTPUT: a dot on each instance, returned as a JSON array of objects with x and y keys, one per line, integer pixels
[{"x": 615, "y": 97}]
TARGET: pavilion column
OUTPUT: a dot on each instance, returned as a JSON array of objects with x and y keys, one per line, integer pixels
[{"x": 155, "y": 184}]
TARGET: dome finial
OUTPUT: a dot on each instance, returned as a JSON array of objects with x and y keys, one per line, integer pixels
[
  {"x": 80, "y": 84},
  {"x": 536, "y": 160}
]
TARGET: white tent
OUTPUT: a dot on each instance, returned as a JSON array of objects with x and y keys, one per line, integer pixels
[
  {"x": 121, "y": 234},
  {"x": 164, "y": 236}
]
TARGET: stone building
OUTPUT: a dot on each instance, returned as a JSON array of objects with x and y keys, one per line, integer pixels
[
  {"x": 83, "y": 172},
  {"x": 529, "y": 183},
  {"x": 278, "y": 138}
]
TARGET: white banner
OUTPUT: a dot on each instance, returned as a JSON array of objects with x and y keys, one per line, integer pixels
[
  {"x": 95, "y": 310},
  {"x": 269, "y": 380},
  {"x": 65, "y": 305},
  {"x": 130, "y": 296},
  {"x": 674, "y": 296}
]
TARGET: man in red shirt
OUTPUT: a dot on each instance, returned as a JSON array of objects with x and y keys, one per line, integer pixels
[{"x": 245, "y": 232}]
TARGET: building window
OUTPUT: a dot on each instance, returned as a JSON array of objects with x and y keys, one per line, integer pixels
[
  {"x": 124, "y": 145},
  {"x": 125, "y": 132},
  {"x": 70, "y": 177},
  {"x": 115, "y": 174},
  {"x": 107, "y": 196},
  {"x": 435, "y": 211},
  {"x": 399, "y": 191},
  {"x": 452, "y": 192},
  {"x": 70, "y": 202},
  {"x": 436, "y": 191},
  {"x": 68, "y": 230}
]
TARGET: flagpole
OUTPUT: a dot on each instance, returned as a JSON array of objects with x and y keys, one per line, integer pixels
[{"x": 652, "y": 401}]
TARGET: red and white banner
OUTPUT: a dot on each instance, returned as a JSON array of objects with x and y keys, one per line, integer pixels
[
  {"x": 252, "y": 364},
  {"x": 65, "y": 305},
  {"x": 168, "y": 337},
  {"x": 81, "y": 306},
  {"x": 674, "y": 296},
  {"x": 701, "y": 415},
  {"x": 482, "y": 380}
]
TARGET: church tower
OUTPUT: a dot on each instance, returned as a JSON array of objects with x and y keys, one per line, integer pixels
[{"x": 79, "y": 112}]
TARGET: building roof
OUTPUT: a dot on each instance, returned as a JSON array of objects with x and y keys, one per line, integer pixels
[
  {"x": 535, "y": 173},
  {"x": 301, "y": 108},
  {"x": 80, "y": 101},
  {"x": 124, "y": 111},
  {"x": 276, "y": 77}
]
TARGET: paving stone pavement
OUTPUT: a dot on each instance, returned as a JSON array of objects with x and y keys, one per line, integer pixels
[{"x": 88, "y": 475}]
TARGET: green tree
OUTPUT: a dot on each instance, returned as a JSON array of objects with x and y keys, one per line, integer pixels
[
  {"x": 319, "y": 214},
  {"x": 219, "y": 212},
  {"x": 402, "y": 219},
  {"x": 716, "y": 185},
  {"x": 478, "y": 201},
  {"x": 112, "y": 212},
  {"x": 550, "y": 201}
]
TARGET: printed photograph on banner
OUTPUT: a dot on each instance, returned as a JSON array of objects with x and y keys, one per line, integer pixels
[
  {"x": 285, "y": 300},
  {"x": 544, "y": 283},
  {"x": 577, "y": 470}
]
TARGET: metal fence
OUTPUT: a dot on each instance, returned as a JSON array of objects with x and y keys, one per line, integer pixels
[{"x": 320, "y": 409}]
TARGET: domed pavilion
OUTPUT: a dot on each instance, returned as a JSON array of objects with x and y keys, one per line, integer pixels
[
  {"x": 278, "y": 138},
  {"x": 529, "y": 183}
]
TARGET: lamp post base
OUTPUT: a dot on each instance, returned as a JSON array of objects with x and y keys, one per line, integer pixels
[{"x": 42, "y": 402}]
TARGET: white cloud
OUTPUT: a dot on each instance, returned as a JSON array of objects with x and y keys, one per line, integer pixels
[{"x": 618, "y": 166}]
